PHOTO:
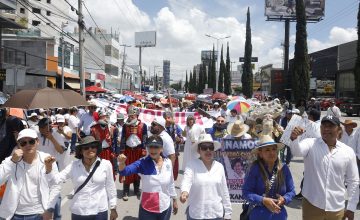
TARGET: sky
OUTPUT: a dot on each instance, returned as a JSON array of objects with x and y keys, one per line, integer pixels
[{"x": 181, "y": 26}]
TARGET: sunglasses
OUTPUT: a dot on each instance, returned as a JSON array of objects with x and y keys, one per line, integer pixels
[
  {"x": 24, "y": 143},
  {"x": 207, "y": 146},
  {"x": 89, "y": 147}
]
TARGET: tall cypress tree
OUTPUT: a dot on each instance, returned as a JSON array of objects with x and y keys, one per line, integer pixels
[
  {"x": 200, "y": 86},
  {"x": 195, "y": 83},
  {"x": 205, "y": 80},
  {"x": 191, "y": 83},
  {"x": 221, "y": 71},
  {"x": 209, "y": 78},
  {"x": 186, "y": 86},
  {"x": 227, "y": 76},
  {"x": 247, "y": 77},
  {"x": 213, "y": 70},
  {"x": 301, "y": 79},
  {"x": 357, "y": 64}
]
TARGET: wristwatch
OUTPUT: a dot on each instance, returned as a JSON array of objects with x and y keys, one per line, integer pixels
[{"x": 51, "y": 210}]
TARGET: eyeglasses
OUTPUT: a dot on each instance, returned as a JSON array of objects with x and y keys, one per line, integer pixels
[
  {"x": 24, "y": 143},
  {"x": 207, "y": 146},
  {"x": 89, "y": 147}
]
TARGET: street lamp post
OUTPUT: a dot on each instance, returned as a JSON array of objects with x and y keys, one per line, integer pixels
[{"x": 217, "y": 60}]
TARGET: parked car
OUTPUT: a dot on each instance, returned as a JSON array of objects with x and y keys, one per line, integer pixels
[{"x": 351, "y": 106}]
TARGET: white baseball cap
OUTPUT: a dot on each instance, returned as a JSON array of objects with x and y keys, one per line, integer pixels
[
  {"x": 27, "y": 133},
  {"x": 33, "y": 114},
  {"x": 60, "y": 118},
  {"x": 161, "y": 121}
]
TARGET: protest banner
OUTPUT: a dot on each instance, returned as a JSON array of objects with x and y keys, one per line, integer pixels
[
  {"x": 236, "y": 157},
  {"x": 312, "y": 129}
]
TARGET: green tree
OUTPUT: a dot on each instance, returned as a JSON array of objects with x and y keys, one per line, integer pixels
[
  {"x": 227, "y": 76},
  {"x": 212, "y": 73},
  {"x": 209, "y": 78},
  {"x": 357, "y": 64},
  {"x": 191, "y": 83},
  {"x": 247, "y": 77},
  {"x": 200, "y": 86},
  {"x": 195, "y": 84},
  {"x": 221, "y": 71},
  {"x": 204, "y": 75},
  {"x": 301, "y": 76},
  {"x": 186, "y": 86}
]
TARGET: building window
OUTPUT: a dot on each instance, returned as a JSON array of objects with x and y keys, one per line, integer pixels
[
  {"x": 22, "y": 10},
  {"x": 35, "y": 23},
  {"x": 108, "y": 50},
  {"x": 48, "y": 13},
  {"x": 48, "y": 1},
  {"x": 36, "y": 10}
]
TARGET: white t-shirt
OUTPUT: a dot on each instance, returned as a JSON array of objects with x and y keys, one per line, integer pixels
[
  {"x": 30, "y": 197},
  {"x": 168, "y": 143},
  {"x": 73, "y": 123}
]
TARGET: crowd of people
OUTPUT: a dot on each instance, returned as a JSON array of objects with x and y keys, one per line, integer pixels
[{"x": 82, "y": 144}]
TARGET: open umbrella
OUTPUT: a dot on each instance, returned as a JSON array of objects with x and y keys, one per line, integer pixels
[
  {"x": 191, "y": 97},
  {"x": 95, "y": 89},
  {"x": 239, "y": 106},
  {"x": 219, "y": 95},
  {"x": 45, "y": 98}
]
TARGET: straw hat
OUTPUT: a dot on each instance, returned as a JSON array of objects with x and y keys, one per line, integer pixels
[
  {"x": 237, "y": 129},
  {"x": 349, "y": 122},
  {"x": 206, "y": 138},
  {"x": 266, "y": 140}
]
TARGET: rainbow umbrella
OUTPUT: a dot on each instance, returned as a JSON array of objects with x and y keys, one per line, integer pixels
[{"x": 239, "y": 106}]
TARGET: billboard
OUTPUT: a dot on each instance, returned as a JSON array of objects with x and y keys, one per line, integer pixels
[
  {"x": 325, "y": 87},
  {"x": 207, "y": 55},
  {"x": 145, "y": 39},
  {"x": 287, "y": 9}
]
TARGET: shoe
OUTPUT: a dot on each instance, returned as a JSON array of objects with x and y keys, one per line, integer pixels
[
  {"x": 298, "y": 196},
  {"x": 125, "y": 197},
  {"x": 138, "y": 194}
]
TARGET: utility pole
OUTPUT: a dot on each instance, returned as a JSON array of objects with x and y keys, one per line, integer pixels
[
  {"x": 154, "y": 76},
  {"x": 81, "y": 48},
  {"x": 62, "y": 54},
  {"x": 140, "y": 68},
  {"x": 122, "y": 67}
]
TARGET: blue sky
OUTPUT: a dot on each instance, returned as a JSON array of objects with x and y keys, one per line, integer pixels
[{"x": 181, "y": 26}]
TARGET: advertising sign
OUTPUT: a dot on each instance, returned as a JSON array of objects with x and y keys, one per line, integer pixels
[
  {"x": 207, "y": 55},
  {"x": 253, "y": 59},
  {"x": 325, "y": 87},
  {"x": 145, "y": 39},
  {"x": 287, "y": 9}
]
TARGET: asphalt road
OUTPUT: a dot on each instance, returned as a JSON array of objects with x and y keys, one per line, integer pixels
[{"x": 129, "y": 210}]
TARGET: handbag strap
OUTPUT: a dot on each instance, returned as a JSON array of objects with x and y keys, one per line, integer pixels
[{"x": 89, "y": 177}]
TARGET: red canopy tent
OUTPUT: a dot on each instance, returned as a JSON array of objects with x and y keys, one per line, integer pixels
[
  {"x": 219, "y": 95},
  {"x": 95, "y": 89}
]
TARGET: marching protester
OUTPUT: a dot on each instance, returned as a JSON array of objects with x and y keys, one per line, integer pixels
[
  {"x": 116, "y": 132},
  {"x": 233, "y": 116},
  {"x": 28, "y": 194},
  {"x": 92, "y": 177},
  {"x": 175, "y": 133},
  {"x": 216, "y": 110},
  {"x": 158, "y": 186},
  {"x": 333, "y": 110},
  {"x": 204, "y": 184},
  {"x": 218, "y": 130},
  {"x": 327, "y": 180},
  {"x": 191, "y": 132},
  {"x": 73, "y": 123},
  {"x": 158, "y": 128},
  {"x": 33, "y": 119},
  {"x": 238, "y": 130},
  {"x": 133, "y": 137},
  {"x": 87, "y": 119},
  {"x": 314, "y": 105},
  {"x": 268, "y": 185},
  {"x": 350, "y": 136}
]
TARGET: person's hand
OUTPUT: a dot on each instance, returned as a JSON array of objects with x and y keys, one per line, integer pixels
[
  {"x": 113, "y": 214},
  {"x": 178, "y": 140},
  {"x": 47, "y": 215},
  {"x": 281, "y": 200},
  {"x": 122, "y": 158},
  {"x": 184, "y": 196},
  {"x": 271, "y": 204},
  {"x": 349, "y": 215},
  {"x": 17, "y": 155},
  {"x": 48, "y": 135},
  {"x": 175, "y": 207},
  {"x": 296, "y": 132},
  {"x": 48, "y": 163}
]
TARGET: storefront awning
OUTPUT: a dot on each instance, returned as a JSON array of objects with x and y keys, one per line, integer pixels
[{"x": 73, "y": 85}]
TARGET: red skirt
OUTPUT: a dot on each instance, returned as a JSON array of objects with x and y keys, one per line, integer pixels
[
  {"x": 107, "y": 154},
  {"x": 176, "y": 168},
  {"x": 132, "y": 154}
]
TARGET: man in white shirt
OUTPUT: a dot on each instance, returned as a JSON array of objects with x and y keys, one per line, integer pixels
[
  {"x": 329, "y": 166},
  {"x": 333, "y": 110},
  {"x": 216, "y": 111},
  {"x": 33, "y": 119},
  {"x": 349, "y": 136},
  {"x": 87, "y": 120},
  {"x": 28, "y": 194},
  {"x": 158, "y": 127},
  {"x": 73, "y": 123}
]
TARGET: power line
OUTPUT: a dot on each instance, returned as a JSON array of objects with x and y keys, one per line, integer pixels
[{"x": 48, "y": 8}]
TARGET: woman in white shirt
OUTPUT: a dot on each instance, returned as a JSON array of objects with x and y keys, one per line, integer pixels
[
  {"x": 157, "y": 180},
  {"x": 99, "y": 194},
  {"x": 192, "y": 132},
  {"x": 204, "y": 184}
]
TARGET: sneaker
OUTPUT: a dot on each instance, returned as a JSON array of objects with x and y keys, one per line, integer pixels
[
  {"x": 298, "y": 196},
  {"x": 138, "y": 194},
  {"x": 125, "y": 197}
]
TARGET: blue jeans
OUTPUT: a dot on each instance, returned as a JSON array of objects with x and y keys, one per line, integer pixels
[
  {"x": 99, "y": 216},
  {"x": 146, "y": 215},
  {"x": 27, "y": 217},
  {"x": 73, "y": 142},
  {"x": 57, "y": 209}
]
